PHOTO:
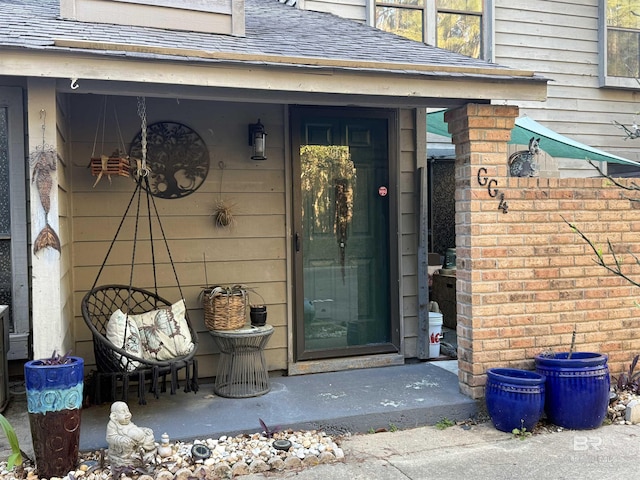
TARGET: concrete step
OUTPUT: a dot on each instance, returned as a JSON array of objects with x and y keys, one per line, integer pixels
[{"x": 338, "y": 402}]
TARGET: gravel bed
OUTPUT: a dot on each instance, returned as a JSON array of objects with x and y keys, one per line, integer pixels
[{"x": 226, "y": 457}]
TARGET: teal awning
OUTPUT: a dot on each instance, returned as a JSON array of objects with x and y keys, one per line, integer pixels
[{"x": 551, "y": 142}]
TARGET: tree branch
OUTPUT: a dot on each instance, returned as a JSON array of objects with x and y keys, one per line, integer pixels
[
  {"x": 632, "y": 187},
  {"x": 600, "y": 260}
]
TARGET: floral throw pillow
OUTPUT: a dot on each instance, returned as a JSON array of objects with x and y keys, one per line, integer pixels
[
  {"x": 164, "y": 333},
  {"x": 123, "y": 333}
]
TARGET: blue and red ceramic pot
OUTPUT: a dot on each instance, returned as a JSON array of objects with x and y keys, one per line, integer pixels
[{"x": 54, "y": 401}]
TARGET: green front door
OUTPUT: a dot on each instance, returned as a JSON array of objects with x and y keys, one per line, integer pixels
[{"x": 343, "y": 205}]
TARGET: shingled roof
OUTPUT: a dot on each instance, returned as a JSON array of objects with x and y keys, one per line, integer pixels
[{"x": 275, "y": 33}]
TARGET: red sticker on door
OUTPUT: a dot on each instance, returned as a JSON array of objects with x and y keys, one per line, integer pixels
[{"x": 382, "y": 191}]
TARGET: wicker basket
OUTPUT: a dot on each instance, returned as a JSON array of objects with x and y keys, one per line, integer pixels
[{"x": 225, "y": 308}]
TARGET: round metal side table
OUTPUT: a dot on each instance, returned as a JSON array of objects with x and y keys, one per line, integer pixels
[{"x": 242, "y": 369}]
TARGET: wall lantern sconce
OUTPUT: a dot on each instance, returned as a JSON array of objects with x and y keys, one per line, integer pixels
[{"x": 258, "y": 140}]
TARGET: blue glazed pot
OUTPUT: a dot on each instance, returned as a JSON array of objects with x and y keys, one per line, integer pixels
[
  {"x": 577, "y": 388},
  {"x": 515, "y": 398},
  {"x": 54, "y": 402}
]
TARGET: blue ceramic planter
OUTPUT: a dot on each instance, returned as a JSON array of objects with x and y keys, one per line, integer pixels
[
  {"x": 54, "y": 402},
  {"x": 577, "y": 388},
  {"x": 515, "y": 398}
]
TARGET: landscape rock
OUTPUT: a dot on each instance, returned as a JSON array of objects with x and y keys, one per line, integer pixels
[{"x": 632, "y": 412}]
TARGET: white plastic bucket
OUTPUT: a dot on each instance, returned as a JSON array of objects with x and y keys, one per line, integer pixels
[{"x": 435, "y": 333}]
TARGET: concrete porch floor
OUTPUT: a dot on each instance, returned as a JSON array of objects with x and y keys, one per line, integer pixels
[{"x": 354, "y": 401}]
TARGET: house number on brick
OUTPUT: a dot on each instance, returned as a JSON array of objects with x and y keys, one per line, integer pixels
[{"x": 493, "y": 192}]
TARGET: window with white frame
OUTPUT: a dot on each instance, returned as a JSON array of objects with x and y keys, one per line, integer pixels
[
  {"x": 455, "y": 25},
  {"x": 622, "y": 38}
]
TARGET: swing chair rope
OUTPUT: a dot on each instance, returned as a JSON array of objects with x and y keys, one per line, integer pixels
[
  {"x": 133, "y": 252},
  {"x": 142, "y": 174},
  {"x": 152, "y": 243},
  {"x": 151, "y": 209},
  {"x": 106, "y": 299},
  {"x": 164, "y": 239},
  {"x": 143, "y": 170},
  {"x": 122, "y": 220}
]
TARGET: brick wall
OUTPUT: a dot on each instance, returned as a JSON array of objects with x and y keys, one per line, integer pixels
[{"x": 525, "y": 280}]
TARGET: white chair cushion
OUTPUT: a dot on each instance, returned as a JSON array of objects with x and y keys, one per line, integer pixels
[
  {"x": 164, "y": 333},
  {"x": 123, "y": 333}
]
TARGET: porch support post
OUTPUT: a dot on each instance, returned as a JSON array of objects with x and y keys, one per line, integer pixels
[
  {"x": 480, "y": 134},
  {"x": 49, "y": 328},
  {"x": 423, "y": 241}
]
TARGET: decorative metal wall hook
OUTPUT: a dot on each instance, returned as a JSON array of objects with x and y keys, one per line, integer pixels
[{"x": 74, "y": 83}]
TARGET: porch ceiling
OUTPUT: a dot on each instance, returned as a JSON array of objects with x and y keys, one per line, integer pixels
[{"x": 285, "y": 49}]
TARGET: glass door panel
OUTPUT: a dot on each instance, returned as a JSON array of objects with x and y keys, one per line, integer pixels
[{"x": 343, "y": 237}]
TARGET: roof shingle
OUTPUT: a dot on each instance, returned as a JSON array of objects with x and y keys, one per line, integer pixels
[{"x": 272, "y": 29}]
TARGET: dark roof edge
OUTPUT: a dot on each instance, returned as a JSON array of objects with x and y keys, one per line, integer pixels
[{"x": 104, "y": 47}]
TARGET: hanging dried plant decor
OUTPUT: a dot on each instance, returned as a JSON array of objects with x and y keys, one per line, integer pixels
[
  {"x": 223, "y": 210},
  {"x": 223, "y": 214}
]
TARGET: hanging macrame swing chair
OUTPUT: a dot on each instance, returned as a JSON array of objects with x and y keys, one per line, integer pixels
[{"x": 138, "y": 335}]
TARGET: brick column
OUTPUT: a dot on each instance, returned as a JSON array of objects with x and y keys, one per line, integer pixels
[{"x": 480, "y": 134}]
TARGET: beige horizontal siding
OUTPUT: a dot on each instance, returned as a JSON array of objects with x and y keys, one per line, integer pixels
[
  {"x": 408, "y": 225},
  {"x": 560, "y": 41},
  {"x": 251, "y": 252}
]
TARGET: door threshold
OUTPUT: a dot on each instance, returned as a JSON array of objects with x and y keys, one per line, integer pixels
[{"x": 348, "y": 363}]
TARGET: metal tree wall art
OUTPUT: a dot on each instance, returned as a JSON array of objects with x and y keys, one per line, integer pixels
[
  {"x": 177, "y": 158},
  {"x": 43, "y": 162}
]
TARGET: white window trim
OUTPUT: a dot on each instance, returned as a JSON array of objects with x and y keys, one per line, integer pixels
[
  {"x": 607, "y": 80},
  {"x": 489, "y": 31},
  {"x": 430, "y": 23},
  {"x": 488, "y": 20}
]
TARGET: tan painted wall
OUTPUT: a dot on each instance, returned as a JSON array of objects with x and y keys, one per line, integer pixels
[
  {"x": 252, "y": 252},
  {"x": 524, "y": 278},
  {"x": 409, "y": 232}
]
